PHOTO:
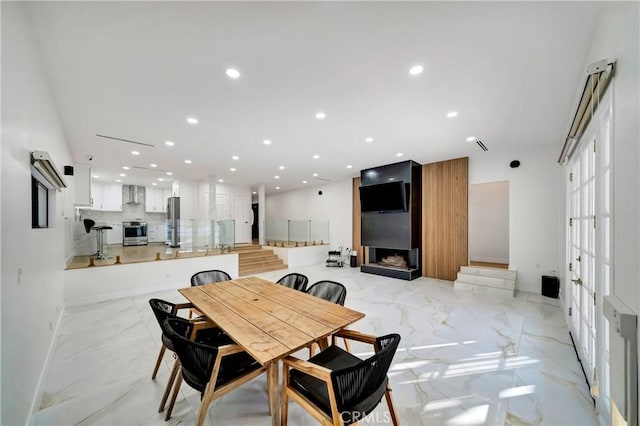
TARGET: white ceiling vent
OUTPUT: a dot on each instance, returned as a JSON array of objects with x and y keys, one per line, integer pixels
[{"x": 599, "y": 75}]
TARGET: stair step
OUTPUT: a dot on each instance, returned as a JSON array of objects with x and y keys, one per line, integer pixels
[
  {"x": 489, "y": 272},
  {"x": 483, "y": 289},
  {"x": 505, "y": 283},
  {"x": 252, "y": 254},
  {"x": 244, "y": 272},
  {"x": 266, "y": 262}
]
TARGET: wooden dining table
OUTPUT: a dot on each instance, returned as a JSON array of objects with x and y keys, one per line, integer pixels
[{"x": 269, "y": 321}]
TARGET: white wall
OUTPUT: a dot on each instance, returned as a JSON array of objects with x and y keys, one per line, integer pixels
[
  {"x": 90, "y": 285},
  {"x": 617, "y": 36},
  {"x": 489, "y": 222},
  {"x": 31, "y": 304},
  {"x": 534, "y": 207},
  {"x": 334, "y": 205}
]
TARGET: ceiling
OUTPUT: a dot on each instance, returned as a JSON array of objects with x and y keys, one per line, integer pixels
[{"x": 137, "y": 70}]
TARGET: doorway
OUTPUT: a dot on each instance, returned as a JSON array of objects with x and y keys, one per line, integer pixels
[{"x": 489, "y": 224}]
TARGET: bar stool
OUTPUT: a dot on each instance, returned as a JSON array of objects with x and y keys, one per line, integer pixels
[
  {"x": 100, "y": 254},
  {"x": 89, "y": 224}
]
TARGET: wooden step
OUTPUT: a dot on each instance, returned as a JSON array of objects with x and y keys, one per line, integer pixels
[
  {"x": 259, "y": 260},
  {"x": 250, "y": 271},
  {"x": 254, "y": 254},
  {"x": 253, "y": 259}
]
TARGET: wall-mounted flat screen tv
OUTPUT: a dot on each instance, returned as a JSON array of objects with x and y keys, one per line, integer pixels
[{"x": 383, "y": 197}]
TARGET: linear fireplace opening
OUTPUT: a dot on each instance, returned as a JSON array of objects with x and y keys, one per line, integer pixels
[{"x": 397, "y": 263}]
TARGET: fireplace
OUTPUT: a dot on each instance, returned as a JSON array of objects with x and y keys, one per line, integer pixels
[{"x": 396, "y": 263}]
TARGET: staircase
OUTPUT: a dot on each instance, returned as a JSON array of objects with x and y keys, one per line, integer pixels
[
  {"x": 252, "y": 259},
  {"x": 481, "y": 279}
]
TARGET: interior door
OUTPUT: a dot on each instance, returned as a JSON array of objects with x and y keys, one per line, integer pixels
[
  {"x": 241, "y": 207},
  {"x": 590, "y": 257},
  {"x": 582, "y": 251}
]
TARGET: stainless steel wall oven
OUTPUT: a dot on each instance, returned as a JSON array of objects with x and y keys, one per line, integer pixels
[{"x": 134, "y": 234}]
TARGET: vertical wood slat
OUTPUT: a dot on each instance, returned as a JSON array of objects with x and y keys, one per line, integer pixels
[
  {"x": 357, "y": 223},
  {"x": 444, "y": 220}
]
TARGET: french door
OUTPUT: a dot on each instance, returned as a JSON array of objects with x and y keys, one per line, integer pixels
[{"x": 589, "y": 254}]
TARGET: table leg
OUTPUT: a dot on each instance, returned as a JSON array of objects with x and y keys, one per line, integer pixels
[{"x": 274, "y": 395}]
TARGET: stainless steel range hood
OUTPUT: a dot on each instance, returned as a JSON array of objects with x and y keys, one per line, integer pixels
[{"x": 133, "y": 194}]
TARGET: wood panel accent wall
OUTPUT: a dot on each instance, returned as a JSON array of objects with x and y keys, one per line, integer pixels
[
  {"x": 445, "y": 205},
  {"x": 357, "y": 224}
]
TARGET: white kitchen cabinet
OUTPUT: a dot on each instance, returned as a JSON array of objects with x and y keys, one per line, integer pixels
[
  {"x": 106, "y": 196},
  {"x": 157, "y": 232},
  {"x": 82, "y": 185},
  {"x": 157, "y": 200},
  {"x": 114, "y": 236}
]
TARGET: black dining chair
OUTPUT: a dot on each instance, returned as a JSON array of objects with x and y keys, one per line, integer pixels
[
  {"x": 211, "y": 369},
  {"x": 330, "y": 291},
  {"x": 206, "y": 277},
  {"x": 295, "y": 281},
  {"x": 205, "y": 332},
  {"x": 338, "y": 388}
]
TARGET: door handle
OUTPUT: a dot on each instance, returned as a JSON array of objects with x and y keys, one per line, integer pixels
[{"x": 577, "y": 282}]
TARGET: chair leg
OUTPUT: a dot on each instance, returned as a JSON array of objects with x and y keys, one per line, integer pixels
[
  {"x": 176, "y": 388},
  {"x": 392, "y": 408},
  {"x": 158, "y": 361},
  {"x": 347, "y": 345},
  {"x": 167, "y": 389},
  {"x": 204, "y": 405}
]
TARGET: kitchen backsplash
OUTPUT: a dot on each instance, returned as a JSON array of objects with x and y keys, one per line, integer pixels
[{"x": 129, "y": 212}]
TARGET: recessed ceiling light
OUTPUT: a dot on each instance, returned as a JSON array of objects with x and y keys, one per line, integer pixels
[
  {"x": 187, "y": 161},
  {"x": 118, "y": 180},
  {"x": 232, "y": 73},
  {"x": 452, "y": 114},
  {"x": 220, "y": 180},
  {"x": 192, "y": 120},
  {"x": 276, "y": 177},
  {"x": 169, "y": 173},
  {"x": 399, "y": 154},
  {"x": 235, "y": 157},
  {"x": 320, "y": 115},
  {"x": 122, "y": 175},
  {"x": 471, "y": 138},
  {"x": 233, "y": 169},
  {"x": 304, "y": 181},
  {"x": 125, "y": 167},
  {"x": 368, "y": 140},
  {"x": 281, "y": 167},
  {"x": 349, "y": 166},
  {"x": 135, "y": 153},
  {"x": 254, "y": 192},
  {"x": 277, "y": 187},
  {"x": 153, "y": 183},
  {"x": 315, "y": 157},
  {"x": 315, "y": 175},
  {"x": 416, "y": 69},
  {"x": 267, "y": 142},
  {"x": 392, "y": 178},
  {"x": 153, "y": 165},
  {"x": 169, "y": 143},
  {"x": 161, "y": 179},
  {"x": 95, "y": 176}
]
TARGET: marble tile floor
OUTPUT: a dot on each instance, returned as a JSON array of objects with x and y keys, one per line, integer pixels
[{"x": 464, "y": 359}]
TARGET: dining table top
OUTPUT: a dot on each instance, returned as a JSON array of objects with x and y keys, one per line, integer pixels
[{"x": 268, "y": 320}]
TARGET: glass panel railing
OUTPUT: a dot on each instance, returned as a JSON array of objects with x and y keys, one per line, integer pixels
[
  {"x": 319, "y": 231},
  {"x": 296, "y": 233},
  {"x": 276, "y": 231},
  {"x": 225, "y": 239}
]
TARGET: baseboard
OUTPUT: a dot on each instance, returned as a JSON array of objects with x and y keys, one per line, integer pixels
[
  {"x": 38, "y": 393},
  {"x": 127, "y": 293}
]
